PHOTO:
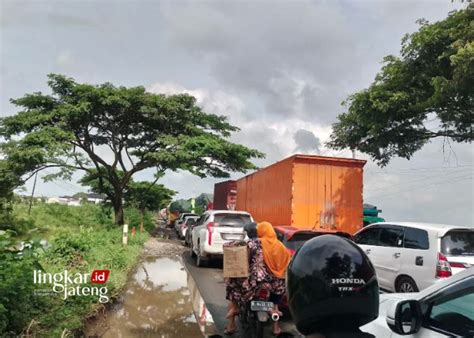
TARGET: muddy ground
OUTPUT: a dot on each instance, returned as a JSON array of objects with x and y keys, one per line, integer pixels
[{"x": 160, "y": 298}]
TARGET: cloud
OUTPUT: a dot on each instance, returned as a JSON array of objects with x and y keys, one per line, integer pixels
[
  {"x": 306, "y": 141},
  {"x": 274, "y": 68},
  {"x": 302, "y": 58}
]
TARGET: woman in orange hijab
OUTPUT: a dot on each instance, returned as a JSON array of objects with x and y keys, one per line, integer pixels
[
  {"x": 275, "y": 254},
  {"x": 276, "y": 258}
]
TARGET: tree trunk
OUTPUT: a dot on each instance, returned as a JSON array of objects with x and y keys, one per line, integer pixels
[
  {"x": 118, "y": 210},
  {"x": 142, "y": 211}
]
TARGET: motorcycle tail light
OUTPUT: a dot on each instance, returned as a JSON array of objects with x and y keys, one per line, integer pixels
[{"x": 263, "y": 294}]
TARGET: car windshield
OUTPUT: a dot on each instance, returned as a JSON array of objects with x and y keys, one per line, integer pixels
[
  {"x": 232, "y": 220},
  {"x": 458, "y": 243}
]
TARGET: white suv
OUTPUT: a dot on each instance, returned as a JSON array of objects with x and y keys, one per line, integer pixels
[
  {"x": 409, "y": 257},
  {"x": 213, "y": 229}
]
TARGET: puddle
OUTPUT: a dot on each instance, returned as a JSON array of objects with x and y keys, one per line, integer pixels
[
  {"x": 157, "y": 303},
  {"x": 201, "y": 314}
]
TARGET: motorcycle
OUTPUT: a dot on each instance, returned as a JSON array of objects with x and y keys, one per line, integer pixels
[{"x": 255, "y": 314}]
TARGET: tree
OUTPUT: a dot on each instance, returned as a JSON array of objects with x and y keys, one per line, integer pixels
[
  {"x": 430, "y": 83},
  {"x": 115, "y": 132},
  {"x": 148, "y": 196}
]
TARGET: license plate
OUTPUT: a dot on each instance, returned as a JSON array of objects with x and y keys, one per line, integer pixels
[{"x": 257, "y": 305}]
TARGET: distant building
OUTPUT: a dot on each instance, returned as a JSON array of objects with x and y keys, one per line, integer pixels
[
  {"x": 66, "y": 200},
  {"x": 96, "y": 198},
  {"x": 52, "y": 200}
]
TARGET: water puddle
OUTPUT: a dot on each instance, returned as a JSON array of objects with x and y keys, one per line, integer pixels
[
  {"x": 161, "y": 300},
  {"x": 201, "y": 313}
]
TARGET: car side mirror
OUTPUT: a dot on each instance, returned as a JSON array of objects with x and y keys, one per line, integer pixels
[{"x": 405, "y": 317}]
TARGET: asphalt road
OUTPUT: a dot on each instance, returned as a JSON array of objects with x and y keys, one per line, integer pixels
[{"x": 210, "y": 282}]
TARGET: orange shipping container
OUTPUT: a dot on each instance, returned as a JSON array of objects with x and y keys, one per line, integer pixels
[{"x": 306, "y": 191}]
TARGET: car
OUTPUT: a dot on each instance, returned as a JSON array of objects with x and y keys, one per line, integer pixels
[
  {"x": 185, "y": 224},
  {"x": 444, "y": 309},
  {"x": 409, "y": 257},
  {"x": 189, "y": 231},
  {"x": 293, "y": 238},
  {"x": 177, "y": 223},
  {"x": 213, "y": 229}
]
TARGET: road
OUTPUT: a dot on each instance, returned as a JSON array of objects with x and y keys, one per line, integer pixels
[{"x": 210, "y": 282}]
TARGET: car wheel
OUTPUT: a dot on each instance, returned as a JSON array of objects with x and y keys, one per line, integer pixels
[{"x": 406, "y": 284}]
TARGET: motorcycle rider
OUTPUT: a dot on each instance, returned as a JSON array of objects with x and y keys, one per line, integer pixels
[
  {"x": 332, "y": 288},
  {"x": 268, "y": 260}
]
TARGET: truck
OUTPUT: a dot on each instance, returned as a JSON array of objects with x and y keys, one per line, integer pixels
[
  {"x": 371, "y": 214},
  {"x": 225, "y": 195},
  {"x": 306, "y": 191}
]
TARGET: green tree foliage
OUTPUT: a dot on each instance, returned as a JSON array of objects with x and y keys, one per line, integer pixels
[
  {"x": 431, "y": 83},
  {"x": 148, "y": 196},
  {"x": 17, "y": 300},
  {"x": 72, "y": 128}
]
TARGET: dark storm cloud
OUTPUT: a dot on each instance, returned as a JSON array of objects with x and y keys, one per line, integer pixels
[
  {"x": 300, "y": 58},
  {"x": 281, "y": 52},
  {"x": 306, "y": 141}
]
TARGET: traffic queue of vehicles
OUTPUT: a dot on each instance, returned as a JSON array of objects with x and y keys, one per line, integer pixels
[{"x": 307, "y": 196}]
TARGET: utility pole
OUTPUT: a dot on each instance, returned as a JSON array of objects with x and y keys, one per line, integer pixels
[{"x": 32, "y": 193}]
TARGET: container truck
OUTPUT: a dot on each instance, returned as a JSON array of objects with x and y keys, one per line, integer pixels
[
  {"x": 306, "y": 191},
  {"x": 225, "y": 194}
]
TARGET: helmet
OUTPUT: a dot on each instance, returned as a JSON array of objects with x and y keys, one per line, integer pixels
[
  {"x": 331, "y": 284},
  {"x": 251, "y": 229}
]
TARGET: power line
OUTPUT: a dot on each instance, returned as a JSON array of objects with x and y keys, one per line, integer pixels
[
  {"x": 425, "y": 187},
  {"x": 425, "y": 177},
  {"x": 416, "y": 169}
]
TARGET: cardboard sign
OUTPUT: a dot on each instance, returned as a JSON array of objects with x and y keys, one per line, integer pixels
[{"x": 236, "y": 262}]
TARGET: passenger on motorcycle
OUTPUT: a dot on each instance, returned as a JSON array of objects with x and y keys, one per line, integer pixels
[{"x": 268, "y": 260}]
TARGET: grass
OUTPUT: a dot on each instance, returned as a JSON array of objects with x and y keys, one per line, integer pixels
[{"x": 81, "y": 239}]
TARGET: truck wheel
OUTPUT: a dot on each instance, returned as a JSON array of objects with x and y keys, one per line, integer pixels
[{"x": 406, "y": 284}]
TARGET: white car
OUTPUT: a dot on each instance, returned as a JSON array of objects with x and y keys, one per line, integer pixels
[
  {"x": 409, "y": 257},
  {"x": 213, "y": 229},
  {"x": 185, "y": 224},
  {"x": 179, "y": 221},
  {"x": 445, "y": 309}
]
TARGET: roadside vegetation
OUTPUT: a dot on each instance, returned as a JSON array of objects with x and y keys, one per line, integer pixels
[{"x": 79, "y": 239}]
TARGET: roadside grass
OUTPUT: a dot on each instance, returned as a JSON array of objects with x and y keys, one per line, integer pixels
[{"x": 81, "y": 239}]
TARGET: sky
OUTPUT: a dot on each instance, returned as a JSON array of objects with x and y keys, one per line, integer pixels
[{"x": 278, "y": 70}]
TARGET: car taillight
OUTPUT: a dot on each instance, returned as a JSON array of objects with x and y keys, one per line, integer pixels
[
  {"x": 457, "y": 265},
  {"x": 209, "y": 232},
  {"x": 291, "y": 251},
  {"x": 443, "y": 269},
  {"x": 263, "y": 294}
]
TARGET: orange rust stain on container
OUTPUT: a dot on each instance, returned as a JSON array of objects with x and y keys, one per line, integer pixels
[{"x": 306, "y": 191}]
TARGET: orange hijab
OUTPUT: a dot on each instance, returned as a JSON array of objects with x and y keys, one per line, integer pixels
[{"x": 275, "y": 255}]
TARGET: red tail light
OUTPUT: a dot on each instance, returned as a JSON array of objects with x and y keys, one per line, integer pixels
[
  {"x": 291, "y": 251},
  {"x": 209, "y": 232},
  {"x": 457, "y": 265},
  {"x": 443, "y": 269},
  {"x": 263, "y": 294}
]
